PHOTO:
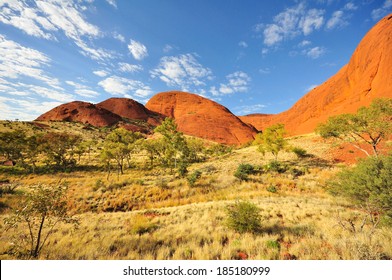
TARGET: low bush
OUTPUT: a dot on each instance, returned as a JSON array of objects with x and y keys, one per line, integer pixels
[
  {"x": 192, "y": 178},
  {"x": 243, "y": 216},
  {"x": 243, "y": 170}
]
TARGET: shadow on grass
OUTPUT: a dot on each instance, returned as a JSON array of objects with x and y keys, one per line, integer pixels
[
  {"x": 296, "y": 230},
  {"x": 17, "y": 170}
]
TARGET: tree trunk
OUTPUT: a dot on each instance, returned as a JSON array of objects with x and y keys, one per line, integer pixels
[{"x": 36, "y": 250}]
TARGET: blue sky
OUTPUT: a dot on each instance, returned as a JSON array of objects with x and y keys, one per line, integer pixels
[{"x": 251, "y": 56}]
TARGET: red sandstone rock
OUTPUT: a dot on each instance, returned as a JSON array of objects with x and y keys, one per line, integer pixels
[
  {"x": 130, "y": 109},
  {"x": 368, "y": 75},
  {"x": 78, "y": 111},
  {"x": 201, "y": 117}
]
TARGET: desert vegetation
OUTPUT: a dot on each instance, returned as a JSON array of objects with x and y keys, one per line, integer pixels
[{"x": 176, "y": 197}]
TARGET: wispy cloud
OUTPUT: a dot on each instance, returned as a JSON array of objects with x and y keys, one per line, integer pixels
[
  {"x": 125, "y": 87},
  {"x": 243, "y": 44},
  {"x": 17, "y": 60},
  {"x": 183, "y": 71},
  {"x": 337, "y": 20},
  {"x": 137, "y": 49},
  {"x": 44, "y": 19},
  {"x": 236, "y": 82},
  {"x": 101, "y": 73},
  {"x": 385, "y": 9},
  {"x": 291, "y": 23},
  {"x": 249, "y": 109},
  {"x": 82, "y": 90},
  {"x": 315, "y": 52},
  {"x": 112, "y": 3},
  {"x": 131, "y": 68}
]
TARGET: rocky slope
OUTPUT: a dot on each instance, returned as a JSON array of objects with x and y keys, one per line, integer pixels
[{"x": 368, "y": 75}]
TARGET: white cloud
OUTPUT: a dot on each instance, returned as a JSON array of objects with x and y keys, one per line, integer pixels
[
  {"x": 167, "y": 48},
  {"x": 337, "y": 20},
  {"x": 290, "y": 23},
  {"x": 313, "y": 20},
  {"x": 126, "y": 67},
  {"x": 249, "y": 109},
  {"x": 44, "y": 19},
  {"x": 26, "y": 109},
  {"x": 101, "y": 73},
  {"x": 17, "y": 60},
  {"x": 137, "y": 49},
  {"x": 119, "y": 37},
  {"x": 182, "y": 71},
  {"x": 264, "y": 71},
  {"x": 112, "y": 3},
  {"x": 315, "y": 52},
  {"x": 243, "y": 44},
  {"x": 82, "y": 90},
  {"x": 350, "y": 6},
  {"x": 385, "y": 9},
  {"x": 304, "y": 43},
  {"x": 236, "y": 82},
  {"x": 51, "y": 94},
  {"x": 126, "y": 87}
]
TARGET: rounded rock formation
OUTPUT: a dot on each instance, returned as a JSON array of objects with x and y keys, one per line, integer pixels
[
  {"x": 130, "y": 109},
  {"x": 84, "y": 112},
  {"x": 201, "y": 117},
  {"x": 367, "y": 76}
]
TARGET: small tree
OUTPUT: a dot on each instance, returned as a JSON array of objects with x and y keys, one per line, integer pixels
[
  {"x": 175, "y": 149},
  {"x": 118, "y": 146},
  {"x": 369, "y": 126},
  {"x": 243, "y": 216},
  {"x": 272, "y": 140},
  {"x": 44, "y": 208},
  {"x": 59, "y": 148},
  {"x": 368, "y": 186}
]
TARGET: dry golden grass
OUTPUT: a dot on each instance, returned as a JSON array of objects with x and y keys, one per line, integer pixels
[{"x": 152, "y": 214}]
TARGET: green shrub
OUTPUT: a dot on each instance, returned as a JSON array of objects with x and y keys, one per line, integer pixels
[
  {"x": 275, "y": 166},
  {"x": 368, "y": 186},
  {"x": 296, "y": 172},
  {"x": 273, "y": 244},
  {"x": 243, "y": 216},
  {"x": 299, "y": 152},
  {"x": 192, "y": 178},
  {"x": 272, "y": 189},
  {"x": 243, "y": 170}
]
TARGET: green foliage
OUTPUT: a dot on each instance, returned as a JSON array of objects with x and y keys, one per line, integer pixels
[
  {"x": 219, "y": 150},
  {"x": 272, "y": 189},
  {"x": 299, "y": 152},
  {"x": 370, "y": 125},
  {"x": 368, "y": 186},
  {"x": 43, "y": 209},
  {"x": 272, "y": 140},
  {"x": 174, "y": 150},
  {"x": 273, "y": 244},
  {"x": 243, "y": 170},
  {"x": 118, "y": 146},
  {"x": 243, "y": 216},
  {"x": 59, "y": 149},
  {"x": 192, "y": 178},
  {"x": 275, "y": 166}
]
